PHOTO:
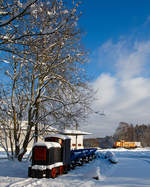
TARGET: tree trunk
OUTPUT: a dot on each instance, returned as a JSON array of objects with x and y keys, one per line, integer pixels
[{"x": 25, "y": 144}]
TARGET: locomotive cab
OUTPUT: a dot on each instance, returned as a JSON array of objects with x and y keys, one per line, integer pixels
[
  {"x": 46, "y": 153},
  {"x": 64, "y": 141}
]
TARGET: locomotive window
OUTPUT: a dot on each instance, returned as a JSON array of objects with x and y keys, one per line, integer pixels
[
  {"x": 40, "y": 153},
  {"x": 51, "y": 139},
  {"x": 57, "y": 155},
  {"x": 54, "y": 139}
]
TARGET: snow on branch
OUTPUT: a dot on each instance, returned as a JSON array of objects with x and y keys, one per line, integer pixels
[{"x": 18, "y": 14}]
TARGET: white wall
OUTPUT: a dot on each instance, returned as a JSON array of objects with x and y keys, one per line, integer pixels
[{"x": 76, "y": 142}]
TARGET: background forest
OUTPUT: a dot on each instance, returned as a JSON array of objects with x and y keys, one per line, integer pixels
[{"x": 125, "y": 131}]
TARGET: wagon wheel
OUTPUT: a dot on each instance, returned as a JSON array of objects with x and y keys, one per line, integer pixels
[
  {"x": 33, "y": 175},
  {"x": 53, "y": 173},
  {"x": 61, "y": 170},
  {"x": 66, "y": 169},
  {"x": 39, "y": 174},
  {"x": 48, "y": 173},
  {"x": 87, "y": 159},
  {"x": 29, "y": 172}
]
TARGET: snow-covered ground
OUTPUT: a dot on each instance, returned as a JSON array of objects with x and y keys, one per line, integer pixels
[{"x": 132, "y": 169}]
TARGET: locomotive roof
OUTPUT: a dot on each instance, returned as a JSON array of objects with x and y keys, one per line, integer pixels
[
  {"x": 47, "y": 144},
  {"x": 61, "y": 136}
]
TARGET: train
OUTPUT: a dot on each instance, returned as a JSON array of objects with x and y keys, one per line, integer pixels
[
  {"x": 53, "y": 157},
  {"x": 125, "y": 144}
]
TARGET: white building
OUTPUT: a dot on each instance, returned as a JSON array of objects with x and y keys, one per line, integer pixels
[{"x": 76, "y": 137}]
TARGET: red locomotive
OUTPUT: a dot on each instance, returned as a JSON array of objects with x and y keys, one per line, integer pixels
[{"x": 53, "y": 157}]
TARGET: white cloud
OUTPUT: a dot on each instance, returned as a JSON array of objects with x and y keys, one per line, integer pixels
[
  {"x": 133, "y": 63},
  {"x": 102, "y": 95},
  {"x": 147, "y": 21},
  {"x": 124, "y": 95}
]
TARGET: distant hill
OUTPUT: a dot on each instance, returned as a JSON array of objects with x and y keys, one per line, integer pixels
[{"x": 125, "y": 131}]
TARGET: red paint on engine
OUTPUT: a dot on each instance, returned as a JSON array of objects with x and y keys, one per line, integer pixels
[{"x": 40, "y": 153}]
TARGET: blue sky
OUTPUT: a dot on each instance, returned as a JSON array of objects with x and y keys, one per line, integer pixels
[
  {"x": 104, "y": 20},
  {"x": 118, "y": 38}
]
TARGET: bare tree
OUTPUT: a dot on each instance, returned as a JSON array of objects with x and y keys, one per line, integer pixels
[{"x": 45, "y": 71}]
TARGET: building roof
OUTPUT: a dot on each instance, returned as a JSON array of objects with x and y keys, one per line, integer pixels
[{"x": 74, "y": 132}]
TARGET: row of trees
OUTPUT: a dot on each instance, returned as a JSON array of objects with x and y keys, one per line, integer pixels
[
  {"x": 128, "y": 132},
  {"x": 125, "y": 131},
  {"x": 42, "y": 70}
]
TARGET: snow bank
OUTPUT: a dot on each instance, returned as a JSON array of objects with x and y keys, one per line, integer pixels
[{"x": 109, "y": 155}]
